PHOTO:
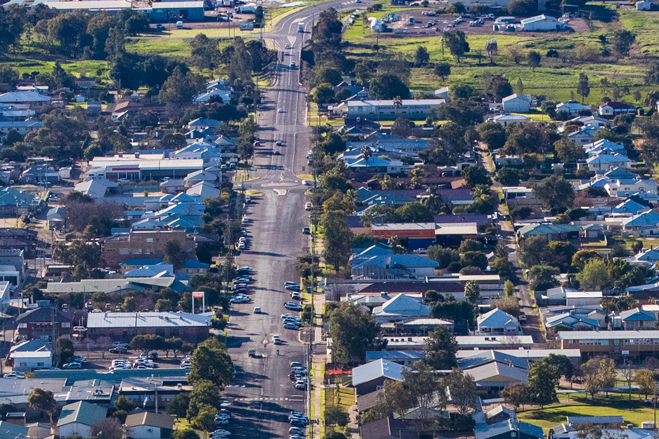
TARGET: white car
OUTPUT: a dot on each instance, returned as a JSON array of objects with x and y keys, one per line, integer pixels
[
  {"x": 307, "y": 206},
  {"x": 280, "y": 110},
  {"x": 305, "y": 183},
  {"x": 119, "y": 344},
  {"x": 241, "y": 246},
  {"x": 288, "y": 46}
]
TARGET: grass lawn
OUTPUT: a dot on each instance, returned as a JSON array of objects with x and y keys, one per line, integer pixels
[
  {"x": 343, "y": 396},
  {"x": 633, "y": 412}
]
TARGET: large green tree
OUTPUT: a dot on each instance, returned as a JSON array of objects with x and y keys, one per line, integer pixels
[
  {"x": 555, "y": 192},
  {"x": 338, "y": 239},
  {"x": 353, "y": 331},
  {"x": 210, "y": 361},
  {"x": 441, "y": 348}
]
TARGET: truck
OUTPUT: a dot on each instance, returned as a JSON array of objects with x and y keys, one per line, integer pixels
[
  {"x": 245, "y": 9},
  {"x": 300, "y": 27}
]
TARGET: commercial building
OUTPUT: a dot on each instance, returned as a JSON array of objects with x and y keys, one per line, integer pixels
[
  {"x": 147, "y": 243},
  {"x": 119, "y": 286},
  {"x": 136, "y": 167},
  {"x": 126, "y": 325},
  {"x": 413, "y": 109},
  {"x": 539, "y": 23},
  {"x": 516, "y": 103},
  {"x": 111, "y": 6},
  {"x": 175, "y": 11},
  {"x": 44, "y": 323},
  {"x": 593, "y": 343}
]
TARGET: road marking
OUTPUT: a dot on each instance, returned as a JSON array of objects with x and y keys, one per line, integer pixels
[
  {"x": 292, "y": 40},
  {"x": 280, "y": 192},
  {"x": 292, "y": 399}
]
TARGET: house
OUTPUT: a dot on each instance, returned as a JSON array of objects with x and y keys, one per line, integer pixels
[
  {"x": 481, "y": 358},
  {"x": 192, "y": 267},
  {"x": 378, "y": 263},
  {"x": 55, "y": 217},
  {"x": 567, "y": 321},
  {"x": 405, "y": 358},
  {"x": 622, "y": 188},
  {"x": 147, "y": 425},
  {"x": 400, "y": 307},
  {"x": 647, "y": 257},
  {"x": 629, "y": 206},
  {"x": 97, "y": 188},
  {"x": 132, "y": 264},
  {"x": 490, "y": 378},
  {"x": 497, "y": 322},
  {"x": 583, "y": 135},
  {"x": 32, "y": 100},
  {"x": 507, "y": 119},
  {"x": 193, "y": 328},
  {"x": 613, "y": 109},
  {"x": 22, "y": 127},
  {"x": 530, "y": 355},
  {"x": 595, "y": 420},
  {"x": 643, "y": 224},
  {"x": 79, "y": 418},
  {"x": 643, "y": 6},
  {"x": 371, "y": 376},
  {"x": 572, "y": 108},
  {"x": 593, "y": 343},
  {"x": 516, "y": 103},
  {"x": 30, "y": 355},
  {"x": 38, "y": 323},
  {"x": 387, "y": 428},
  {"x": 553, "y": 232},
  {"x": 150, "y": 243},
  {"x": 14, "y": 202},
  {"x": 540, "y": 23},
  {"x": 605, "y": 161},
  {"x": 507, "y": 429},
  {"x": 637, "y": 319},
  {"x": 203, "y": 190}
]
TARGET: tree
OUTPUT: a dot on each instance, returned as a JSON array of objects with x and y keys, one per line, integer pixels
[
  {"x": 42, "y": 400},
  {"x": 413, "y": 213},
  {"x": 568, "y": 151},
  {"x": 543, "y": 277},
  {"x": 595, "y": 275},
  {"x": 389, "y": 86},
  {"x": 185, "y": 434},
  {"x": 581, "y": 257},
  {"x": 210, "y": 361},
  {"x": 644, "y": 378},
  {"x": 519, "y": 87},
  {"x": 323, "y": 93},
  {"x": 174, "y": 254},
  {"x": 562, "y": 367},
  {"x": 522, "y": 7},
  {"x": 533, "y": 59},
  {"x": 456, "y": 41},
  {"x": 516, "y": 395},
  {"x": 64, "y": 349},
  {"x": 440, "y": 349},
  {"x": 425, "y": 389},
  {"x": 205, "y": 419},
  {"x": 179, "y": 89},
  {"x": 622, "y": 41},
  {"x": 475, "y": 175},
  {"x": 555, "y": 192},
  {"x": 474, "y": 259},
  {"x": 507, "y": 304},
  {"x": 204, "y": 394},
  {"x": 336, "y": 415},
  {"x": 606, "y": 374},
  {"x": 583, "y": 87},
  {"x": 338, "y": 239},
  {"x": 179, "y": 405},
  {"x": 443, "y": 70},
  {"x": 108, "y": 428},
  {"x": 590, "y": 379},
  {"x": 395, "y": 398},
  {"x": 123, "y": 403},
  {"x": 493, "y": 134},
  {"x": 509, "y": 288},
  {"x": 445, "y": 256},
  {"x": 352, "y": 331},
  {"x": 462, "y": 388},
  {"x": 541, "y": 383},
  {"x": 421, "y": 56}
]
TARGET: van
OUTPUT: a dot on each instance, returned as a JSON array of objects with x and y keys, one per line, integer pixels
[{"x": 179, "y": 25}]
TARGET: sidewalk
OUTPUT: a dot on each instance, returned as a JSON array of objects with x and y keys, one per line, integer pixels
[{"x": 319, "y": 357}]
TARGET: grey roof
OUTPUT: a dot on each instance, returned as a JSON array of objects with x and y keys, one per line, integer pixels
[
  {"x": 496, "y": 319},
  {"x": 157, "y": 420},
  {"x": 545, "y": 229},
  {"x": 395, "y": 355},
  {"x": 484, "y": 357},
  {"x": 81, "y": 412},
  {"x": 146, "y": 320},
  {"x": 368, "y": 401},
  {"x": 402, "y": 305},
  {"x": 386, "y": 428},
  {"x": 608, "y": 335},
  {"x": 377, "y": 369},
  {"x": 42, "y": 314},
  {"x": 572, "y": 420},
  {"x": 110, "y": 285},
  {"x": 497, "y": 375}
]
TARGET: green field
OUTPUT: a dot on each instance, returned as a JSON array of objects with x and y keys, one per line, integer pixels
[
  {"x": 634, "y": 412},
  {"x": 556, "y": 78}
]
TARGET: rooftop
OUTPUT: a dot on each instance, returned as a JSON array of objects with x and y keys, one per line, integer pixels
[
  {"x": 376, "y": 369},
  {"x": 146, "y": 320}
]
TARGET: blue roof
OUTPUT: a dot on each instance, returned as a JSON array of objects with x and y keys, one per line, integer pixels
[
  {"x": 638, "y": 315},
  {"x": 649, "y": 218},
  {"x": 629, "y": 206},
  {"x": 193, "y": 263},
  {"x": 594, "y": 420},
  {"x": 142, "y": 262},
  {"x": 395, "y": 355}
]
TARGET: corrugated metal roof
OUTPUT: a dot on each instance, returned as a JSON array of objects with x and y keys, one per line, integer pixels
[
  {"x": 608, "y": 335},
  {"x": 377, "y": 369},
  {"x": 146, "y": 320}
]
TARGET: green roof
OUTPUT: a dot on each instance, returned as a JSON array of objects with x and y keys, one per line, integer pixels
[
  {"x": 547, "y": 229},
  {"x": 81, "y": 412}
]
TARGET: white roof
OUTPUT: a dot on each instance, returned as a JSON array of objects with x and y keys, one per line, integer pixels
[
  {"x": 22, "y": 96},
  {"x": 177, "y": 5},
  {"x": 33, "y": 354},
  {"x": 146, "y": 320},
  {"x": 376, "y": 369},
  {"x": 608, "y": 335}
]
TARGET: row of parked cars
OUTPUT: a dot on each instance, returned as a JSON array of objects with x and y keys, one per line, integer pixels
[
  {"x": 143, "y": 362},
  {"x": 222, "y": 419},
  {"x": 298, "y": 375}
]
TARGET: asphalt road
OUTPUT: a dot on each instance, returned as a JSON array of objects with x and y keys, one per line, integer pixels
[{"x": 263, "y": 395}]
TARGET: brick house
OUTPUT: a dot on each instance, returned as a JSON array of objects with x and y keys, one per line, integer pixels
[
  {"x": 144, "y": 243},
  {"x": 38, "y": 323},
  {"x": 123, "y": 326}
]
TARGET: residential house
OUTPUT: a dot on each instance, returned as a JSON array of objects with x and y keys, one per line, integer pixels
[
  {"x": 629, "y": 206},
  {"x": 55, "y": 217},
  {"x": 98, "y": 189},
  {"x": 553, "y": 232},
  {"x": 202, "y": 124},
  {"x": 378, "y": 263},
  {"x": 643, "y": 224},
  {"x": 223, "y": 95},
  {"x": 479, "y": 358},
  {"x": 489, "y": 426},
  {"x": 607, "y": 160},
  {"x": 22, "y": 127},
  {"x": 125, "y": 325},
  {"x": 132, "y": 264},
  {"x": 150, "y": 243},
  {"x": 147, "y": 425},
  {"x": 387, "y": 428},
  {"x": 399, "y": 308},
  {"x": 508, "y": 119},
  {"x": 638, "y": 319},
  {"x": 14, "y": 202},
  {"x": 203, "y": 190},
  {"x": 32, "y": 100},
  {"x": 497, "y": 322},
  {"x": 30, "y": 355},
  {"x": 583, "y": 135},
  {"x": 413, "y": 109},
  {"x": 79, "y": 418},
  {"x": 491, "y": 378},
  {"x": 516, "y": 103},
  {"x": 193, "y": 267},
  {"x": 38, "y": 323},
  {"x": 10, "y": 430},
  {"x": 371, "y": 376},
  {"x": 626, "y": 188},
  {"x": 572, "y": 108},
  {"x": 647, "y": 257},
  {"x": 119, "y": 286},
  {"x": 585, "y": 121},
  {"x": 567, "y": 321},
  {"x": 613, "y": 109}
]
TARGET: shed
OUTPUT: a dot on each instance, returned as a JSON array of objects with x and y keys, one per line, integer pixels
[{"x": 539, "y": 23}]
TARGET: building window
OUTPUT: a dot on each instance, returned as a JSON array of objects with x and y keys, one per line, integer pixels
[
  {"x": 66, "y": 325},
  {"x": 149, "y": 239},
  {"x": 137, "y": 251},
  {"x": 124, "y": 251},
  {"x": 22, "y": 326}
]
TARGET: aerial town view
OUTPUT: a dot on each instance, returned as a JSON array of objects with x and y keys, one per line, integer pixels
[{"x": 329, "y": 219}]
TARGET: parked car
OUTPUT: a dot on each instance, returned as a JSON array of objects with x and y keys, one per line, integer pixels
[
  {"x": 251, "y": 352},
  {"x": 119, "y": 344}
]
